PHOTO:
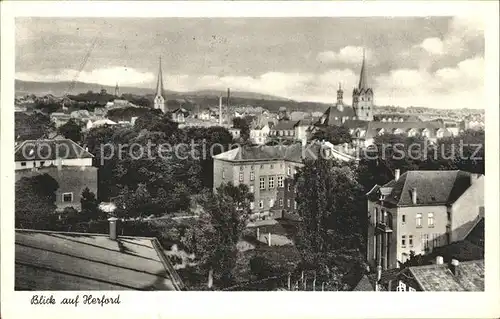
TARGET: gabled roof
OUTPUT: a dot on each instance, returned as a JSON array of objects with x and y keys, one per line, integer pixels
[
  {"x": 49, "y": 149},
  {"x": 333, "y": 112},
  {"x": 440, "y": 278},
  {"x": 433, "y": 187},
  {"x": 46, "y": 260}
]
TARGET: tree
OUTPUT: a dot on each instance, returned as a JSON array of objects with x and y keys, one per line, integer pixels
[
  {"x": 414, "y": 260},
  {"x": 47, "y": 107},
  {"x": 71, "y": 130},
  {"x": 333, "y": 134},
  {"x": 35, "y": 201},
  {"x": 90, "y": 206},
  {"x": 213, "y": 240},
  {"x": 330, "y": 202},
  {"x": 244, "y": 125}
]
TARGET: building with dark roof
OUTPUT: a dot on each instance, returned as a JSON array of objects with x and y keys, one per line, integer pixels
[
  {"x": 438, "y": 276},
  {"x": 420, "y": 211},
  {"x": 268, "y": 172},
  {"x": 47, "y": 260},
  {"x": 67, "y": 162}
]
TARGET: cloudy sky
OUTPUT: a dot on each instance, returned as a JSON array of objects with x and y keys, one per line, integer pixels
[{"x": 434, "y": 62}]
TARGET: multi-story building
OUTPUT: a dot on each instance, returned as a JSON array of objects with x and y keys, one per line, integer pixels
[
  {"x": 421, "y": 210},
  {"x": 268, "y": 171},
  {"x": 259, "y": 134},
  {"x": 67, "y": 162},
  {"x": 283, "y": 129}
]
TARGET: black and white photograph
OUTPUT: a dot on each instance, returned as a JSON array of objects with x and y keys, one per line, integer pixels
[{"x": 307, "y": 154}]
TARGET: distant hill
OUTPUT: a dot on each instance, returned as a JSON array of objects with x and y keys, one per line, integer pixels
[{"x": 61, "y": 88}]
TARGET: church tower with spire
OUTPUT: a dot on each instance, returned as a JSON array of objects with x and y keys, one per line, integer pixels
[
  {"x": 159, "y": 100},
  {"x": 340, "y": 99},
  {"x": 362, "y": 96},
  {"x": 117, "y": 90}
]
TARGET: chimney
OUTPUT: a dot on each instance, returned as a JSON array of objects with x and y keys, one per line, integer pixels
[
  {"x": 454, "y": 266},
  {"x": 439, "y": 260},
  {"x": 112, "y": 227},
  {"x": 396, "y": 174},
  {"x": 379, "y": 276},
  {"x": 473, "y": 178},
  {"x": 220, "y": 110},
  {"x": 414, "y": 196},
  {"x": 59, "y": 163}
]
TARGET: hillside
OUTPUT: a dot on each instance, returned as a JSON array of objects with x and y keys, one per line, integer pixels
[{"x": 61, "y": 88}]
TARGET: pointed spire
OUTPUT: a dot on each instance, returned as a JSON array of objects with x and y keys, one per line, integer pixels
[
  {"x": 340, "y": 87},
  {"x": 159, "y": 83},
  {"x": 363, "y": 83}
]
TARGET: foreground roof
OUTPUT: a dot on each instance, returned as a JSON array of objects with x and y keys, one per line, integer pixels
[
  {"x": 433, "y": 187},
  {"x": 46, "y": 260},
  {"x": 440, "y": 278},
  {"x": 48, "y": 149}
]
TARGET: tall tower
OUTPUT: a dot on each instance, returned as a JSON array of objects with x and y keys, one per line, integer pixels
[
  {"x": 117, "y": 90},
  {"x": 362, "y": 96},
  {"x": 159, "y": 101},
  {"x": 340, "y": 99}
]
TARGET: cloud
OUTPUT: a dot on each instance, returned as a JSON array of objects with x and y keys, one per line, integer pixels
[
  {"x": 348, "y": 54},
  {"x": 452, "y": 87},
  {"x": 461, "y": 30},
  {"x": 433, "y": 46}
]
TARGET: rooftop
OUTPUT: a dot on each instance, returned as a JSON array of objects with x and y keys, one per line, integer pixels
[
  {"x": 433, "y": 187},
  {"x": 46, "y": 260},
  {"x": 470, "y": 277},
  {"x": 49, "y": 149},
  {"x": 294, "y": 153}
]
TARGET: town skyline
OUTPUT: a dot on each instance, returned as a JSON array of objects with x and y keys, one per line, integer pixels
[{"x": 445, "y": 71}]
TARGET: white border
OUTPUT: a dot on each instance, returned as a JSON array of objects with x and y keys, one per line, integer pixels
[{"x": 248, "y": 304}]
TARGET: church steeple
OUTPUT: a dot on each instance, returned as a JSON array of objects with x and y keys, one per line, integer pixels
[
  {"x": 363, "y": 83},
  {"x": 362, "y": 96},
  {"x": 159, "y": 101},
  {"x": 117, "y": 90},
  {"x": 340, "y": 98}
]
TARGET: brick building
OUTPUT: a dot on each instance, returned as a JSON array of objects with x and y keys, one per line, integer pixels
[{"x": 419, "y": 211}]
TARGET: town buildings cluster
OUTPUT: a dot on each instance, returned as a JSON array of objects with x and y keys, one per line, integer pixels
[{"x": 419, "y": 211}]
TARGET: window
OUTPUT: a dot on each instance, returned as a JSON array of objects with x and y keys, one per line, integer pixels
[
  {"x": 251, "y": 189},
  {"x": 419, "y": 220},
  {"x": 288, "y": 170},
  {"x": 401, "y": 286},
  {"x": 262, "y": 166},
  {"x": 223, "y": 174},
  {"x": 281, "y": 165},
  {"x": 252, "y": 205},
  {"x": 271, "y": 181},
  {"x": 272, "y": 166},
  {"x": 262, "y": 183},
  {"x": 288, "y": 186},
  {"x": 435, "y": 240},
  {"x": 252, "y": 167},
  {"x": 252, "y": 176},
  {"x": 288, "y": 202},
  {"x": 261, "y": 204},
  {"x": 426, "y": 241},
  {"x": 410, "y": 289},
  {"x": 23, "y": 164},
  {"x": 376, "y": 215},
  {"x": 294, "y": 204},
  {"x": 280, "y": 202},
  {"x": 403, "y": 218},
  {"x": 241, "y": 168},
  {"x": 403, "y": 241},
  {"x": 410, "y": 240},
  {"x": 241, "y": 176},
  {"x": 430, "y": 219},
  {"x": 280, "y": 181},
  {"x": 67, "y": 197}
]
